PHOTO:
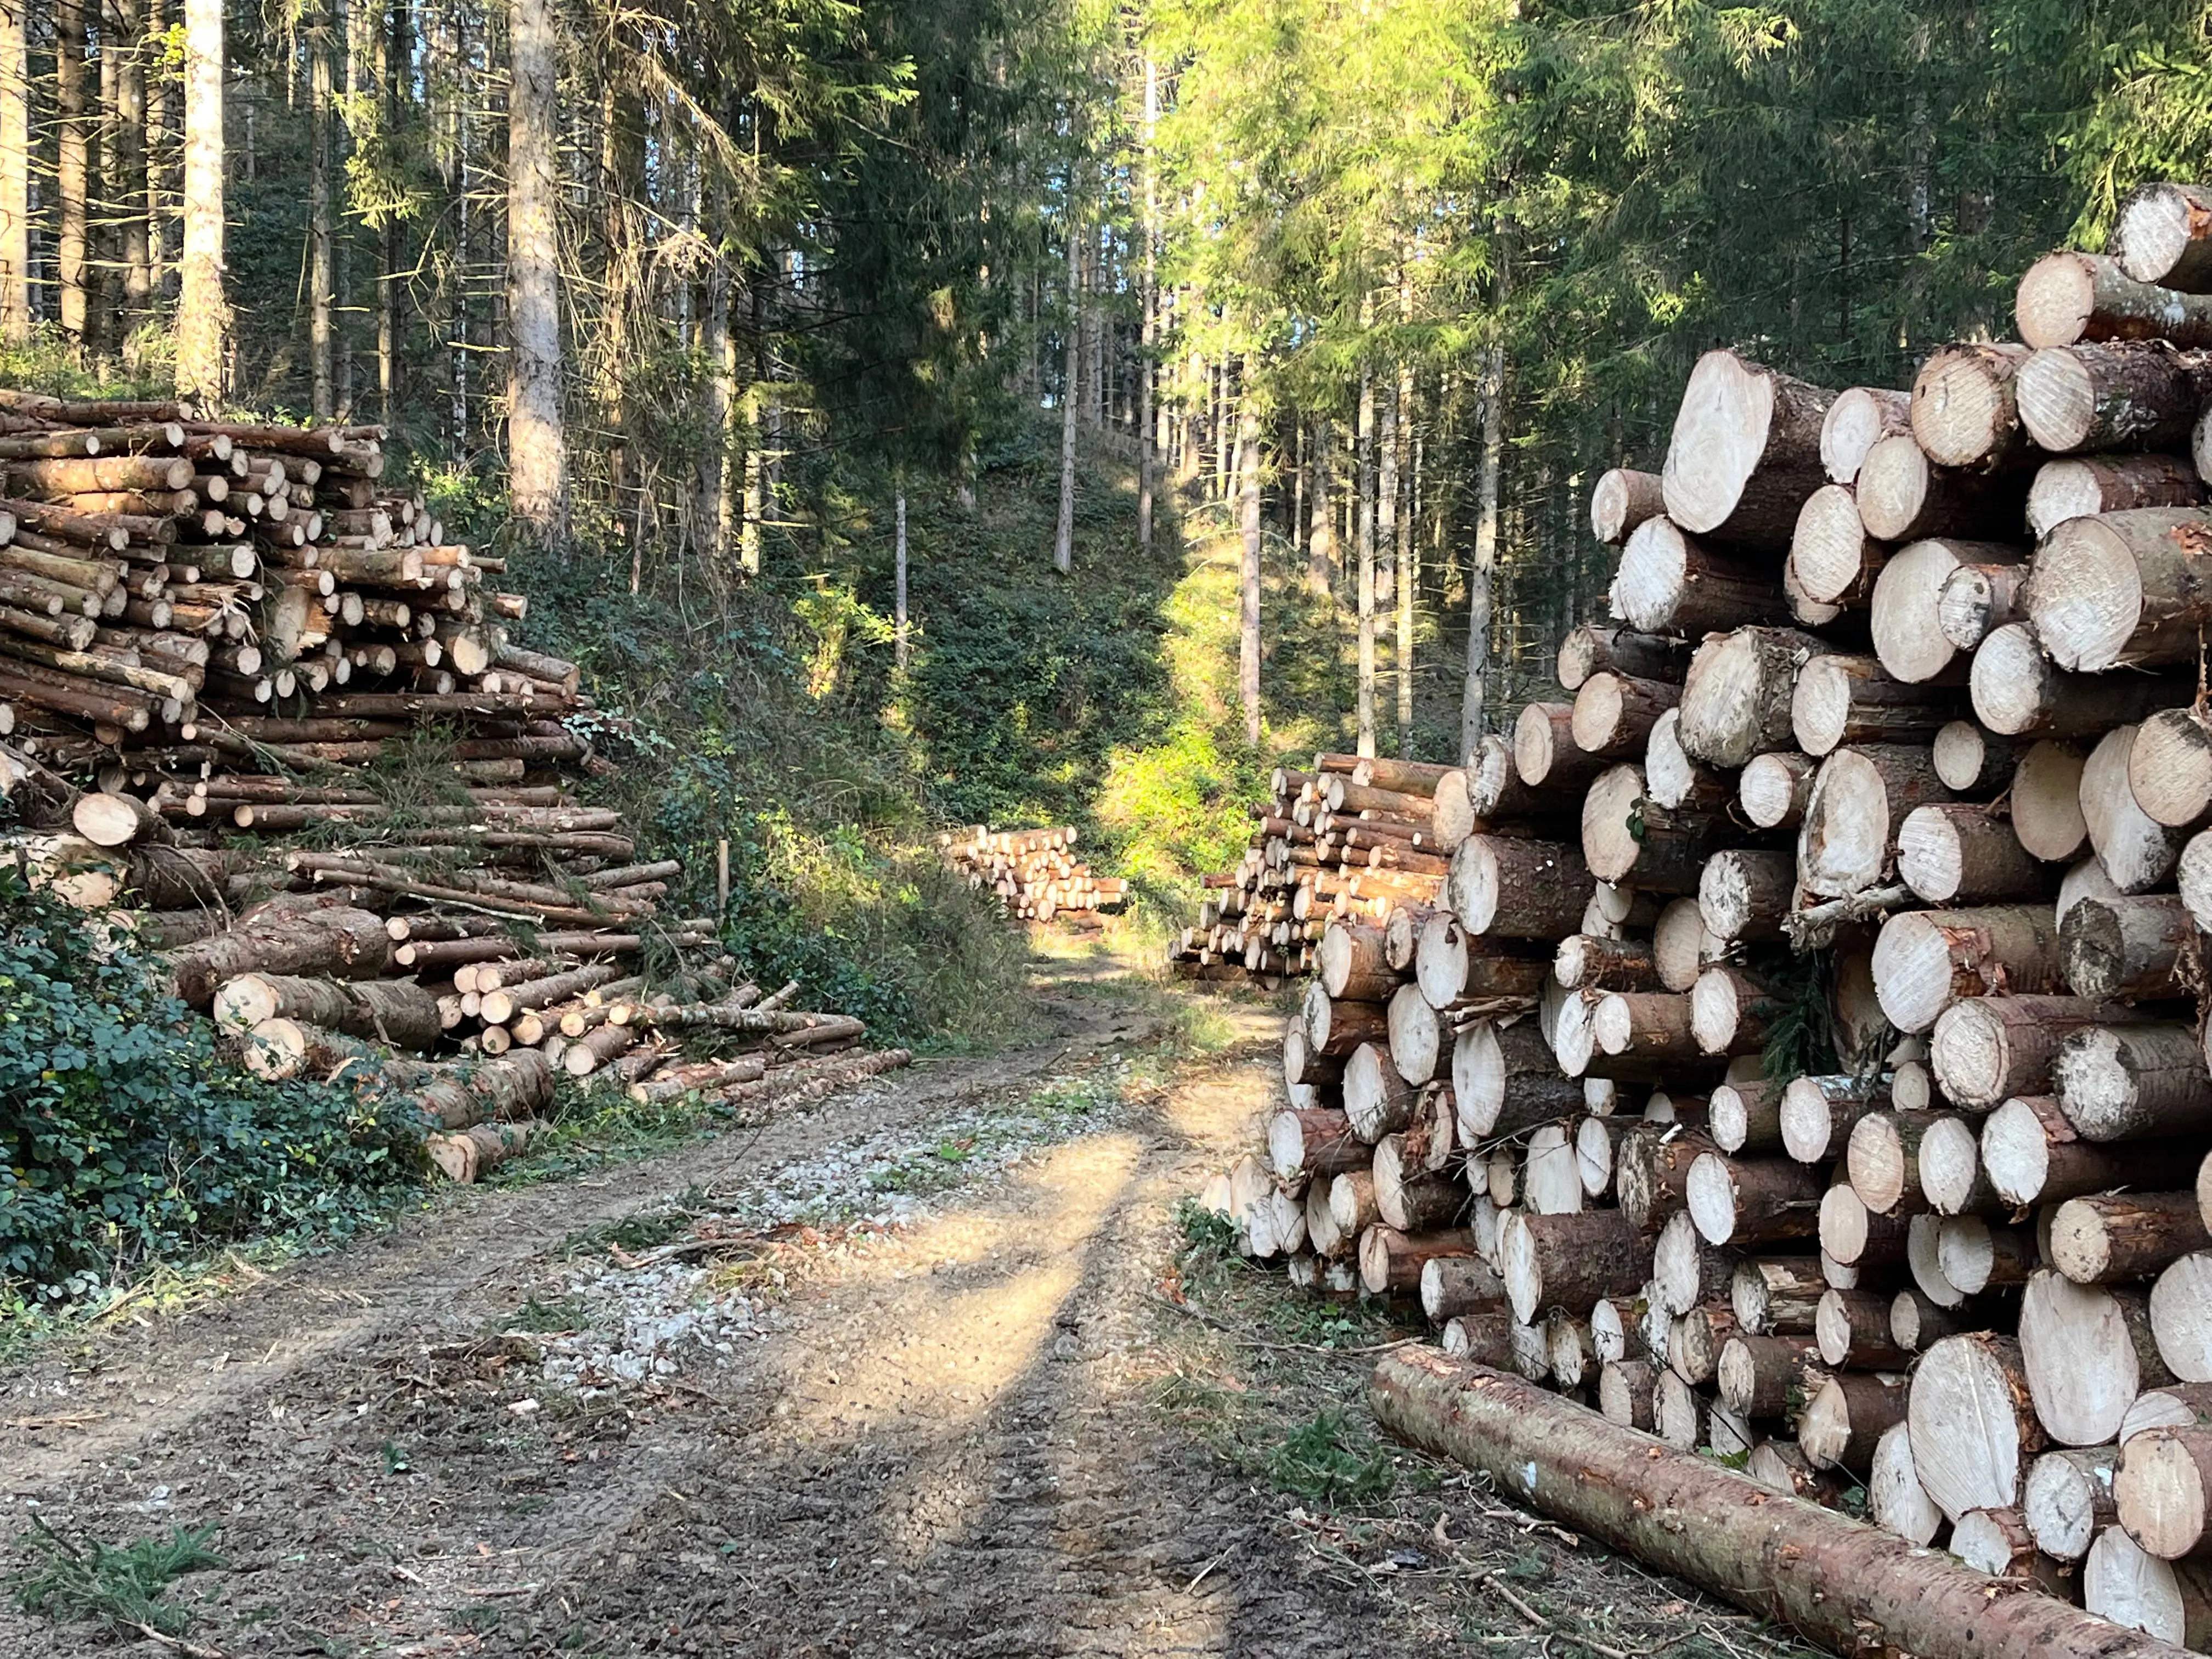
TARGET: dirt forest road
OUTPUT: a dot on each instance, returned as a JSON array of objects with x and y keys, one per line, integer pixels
[{"x": 627, "y": 1413}]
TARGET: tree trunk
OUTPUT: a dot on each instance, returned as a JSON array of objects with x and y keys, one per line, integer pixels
[
  {"x": 1402, "y": 450},
  {"x": 1505, "y": 1079},
  {"x": 1320, "y": 540},
  {"x": 1670, "y": 582},
  {"x": 1903, "y": 497},
  {"x": 322, "y": 379},
  {"x": 2066, "y": 298},
  {"x": 1594, "y": 648},
  {"x": 1391, "y": 1260},
  {"x": 2069, "y": 1500},
  {"x": 1508, "y": 888},
  {"x": 1248, "y": 649},
  {"x": 1568, "y": 1261},
  {"x": 1630, "y": 839},
  {"x": 1613, "y": 714},
  {"x": 1849, "y": 841},
  {"x": 1985, "y": 1050},
  {"x": 1473, "y": 710},
  {"x": 397, "y": 1012},
  {"x": 537, "y": 455},
  {"x": 1623, "y": 500},
  {"x": 1063, "y": 541},
  {"x": 2121, "y": 590},
  {"x": 75, "y": 114},
  {"x": 1842, "y": 699},
  {"x": 2169, "y": 1600},
  {"x": 1616, "y": 1486},
  {"x": 282, "y": 939},
  {"x": 15, "y": 174}
]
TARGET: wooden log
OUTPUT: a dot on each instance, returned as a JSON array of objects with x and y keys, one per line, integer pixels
[
  {"x": 1977, "y": 599},
  {"x": 1625, "y": 1391},
  {"x": 2141, "y": 394},
  {"x": 1903, "y": 497},
  {"x": 1731, "y": 1013},
  {"x": 1949, "y": 1164},
  {"x": 1744, "y": 893},
  {"x": 1975, "y": 1257},
  {"x": 1997, "y": 1543},
  {"x": 1851, "y": 1331},
  {"x": 2017, "y": 691},
  {"x": 1906, "y": 613},
  {"x": 1585, "y": 962},
  {"x": 1964, "y": 413},
  {"x": 2087, "y": 1353},
  {"x": 1317, "y": 1141},
  {"x": 1736, "y": 701},
  {"x": 2112, "y": 1238},
  {"x": 2180, "y": 1313},
  {"x": 1544, "y": 748},
  {"x": 1671, "y": 582},
  {"x": 1505, "y": 1079},
  {"x": 1970, "y": 761},
  {"x": 1673, "y": 779},
  {"x": 2162, "y": 1488},
  {"x": 2158, "y": 237},
  {"x": 1393, "y": 1261},
  {"x": 1518, "y": 889},
  {"x": 1843, "y": 699},
  {"x": 1652, "y": 1172},
  {"x": 1627, "y": 837},
  {"x": 1971, "y": 1423},
  {"x": 1926, "y": 960},
  {"x": 1859, "y": 418},
  {"x": 1569, "y": 1261},
  {"x": 1746, "y": 1201},
  {"x": 282, "y": 939},
  {"x": 1454, "y": 1286},
  {"x": 1949, "y": 852},
  {"x": 2169, "y": 1600},
  {"x": 1896, "y": 1501},
  {"x": 1335, "y": 1029},
  {"x": 1776, "y": 1296},
  {"x": 2069, "y": 297},
  {"x": 1747, "y": 1116},
  {"x": 1377, "y": 1100},
  {"x": 1623, "y": 500},
  {"x": 1595, "y": 647},
  {"x": 1835, "y": 560},
  {"x": 1681, "y": 944},
  {"x": 398, "y": 1012},
  {"x": 2138, "y": 852},
  {"x": 1985, "y": 1050},
  {"x": 1817, "y": 1114},
  {"x": 2084, "y": 486},
  {"x": 2133, "y": 1082},
  {"x": 2033, "y": 1154},
  {"x": 1746, "y": 452},
  {"x": 2126, "y": 948},
  {"x": 1613, "y": 713},
  {"x": 1775, "y": 787},
  {"x": 1847, "y": 1416},
  {"x": 1550, "y": 1173},
  {"x": 470, "y": 1154},
  {"x": 1687, "y": 1272},
  {"x": 2046, "y": 801},
  {"x": 1860, "y": 800},
  {"x": 2170, "y": 767},
  {"x": 2068, "y": 1500},
  {"x": 1651, "y": 1025},
  {"x": 2120, "y": 590},
  {"x": 1409, "y": 1198}
]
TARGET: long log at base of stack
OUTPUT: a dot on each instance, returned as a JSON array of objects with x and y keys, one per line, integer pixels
[{"x": 1719, "y": 1530}]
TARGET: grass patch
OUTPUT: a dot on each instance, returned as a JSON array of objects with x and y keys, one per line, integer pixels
[
  {"x": 119, "y": 1585},
  {"x": 1326, "y": 1460}
]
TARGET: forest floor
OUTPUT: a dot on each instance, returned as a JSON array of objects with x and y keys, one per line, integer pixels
[{"x": 931, "y": 1368}]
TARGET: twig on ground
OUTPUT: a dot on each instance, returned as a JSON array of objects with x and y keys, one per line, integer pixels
[
  {"x": 1240, "y": 1337},
  {"x": 190, "y": 1649}
]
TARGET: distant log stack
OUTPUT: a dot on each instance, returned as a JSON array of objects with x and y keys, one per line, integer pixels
[
  {"x": 1032, "y": 872},
  {"x": 210, "y": 635},
  {"x": 1930, "y": 772}
]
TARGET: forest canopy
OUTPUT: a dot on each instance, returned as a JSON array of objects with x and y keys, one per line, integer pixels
[{"x": 664, "y": 280}]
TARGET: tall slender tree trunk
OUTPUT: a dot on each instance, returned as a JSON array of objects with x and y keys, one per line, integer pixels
[
  {"x": 394, "y": 65},
  {"x": 74, "y": 115},
  {"x": 1063, "y": 540},
  {"x": 1247, "y": 637},
  {"x": 1403, "y": 443},
  {"x": 537, "y": 460},
  {"x": 130, "y": 190},
  {"x": 898, "y": 636},
  {"x": 1148, "y": 444},
  {"x": 1473, "y": 710},
  {"x": 203, "y": 311},
  {"x": 322, "y": 389},
  {"x": 1366, "y": 554},
  {"x": 1320, "y": 540},
  {"x": 15, "y": 172},
  {"x": 1094, "y": 333},
  {"x": 1296, "y": 467},
  {"x": 1386, "y": 499}
]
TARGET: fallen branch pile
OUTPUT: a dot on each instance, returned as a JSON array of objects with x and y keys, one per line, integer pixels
[
  {"x": 264, "y": 714},
  {"x": 1800, "y": 1058},
  {"x": 1347, "y": 840},
  {"x": 1033, "y": 873}
]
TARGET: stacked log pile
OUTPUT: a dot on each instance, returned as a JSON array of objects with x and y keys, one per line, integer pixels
[
  {"x": 1896, "y": 730},
  {"x": 1346, "y": 841},
  {"x": 261, "y": 711},
  {"x": 1034, "y": 873}
]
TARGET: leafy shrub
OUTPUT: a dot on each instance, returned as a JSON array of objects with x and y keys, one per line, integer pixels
[{"x": 126, "y": 1134}]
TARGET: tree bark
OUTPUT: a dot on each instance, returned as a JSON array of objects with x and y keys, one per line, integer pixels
[
  {"x": 15, "y": 174},
  {"x": 1903, "y": 497},
  {"x": 1926, "y": 960},
  {"x": 2066, "y": 298},
  {"x": 2032, "y": 1154},
  {"x": 1985, "y": 1050},
  {"x": 2133, "y": 1082},
  {"x": 203, "y": 331},
  {"x": 2084, "y": 488},
  {"x": 1736, "y": 701},
  {"x": 1671, "y": 582},
  {"x": 1964, "y": 412},
  {"x": 282, "y": 939},
  {"x": 537, "y": 452},
  {"x": 1860, "y": 801},
  {"x": 2163, "y": 235},
  {"x": 1861, "y": 418},
  {"x": 1248, "y": 636},
  {"x": 2127, "y": 948},
  {"x": 1568, "y": 1262},
  {"x": 2113, "y": 1237},
  {"x": 1746, "y": 452},
  {"x": 2122, "y": 590},
  {"x": 2019, "y": 692},
  {"x": 1958, "y": 854}
]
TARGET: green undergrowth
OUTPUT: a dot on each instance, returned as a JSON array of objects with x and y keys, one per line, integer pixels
[
  {"x": 77, "y": 1577},
  {"x": 127, "y": 1137}
]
